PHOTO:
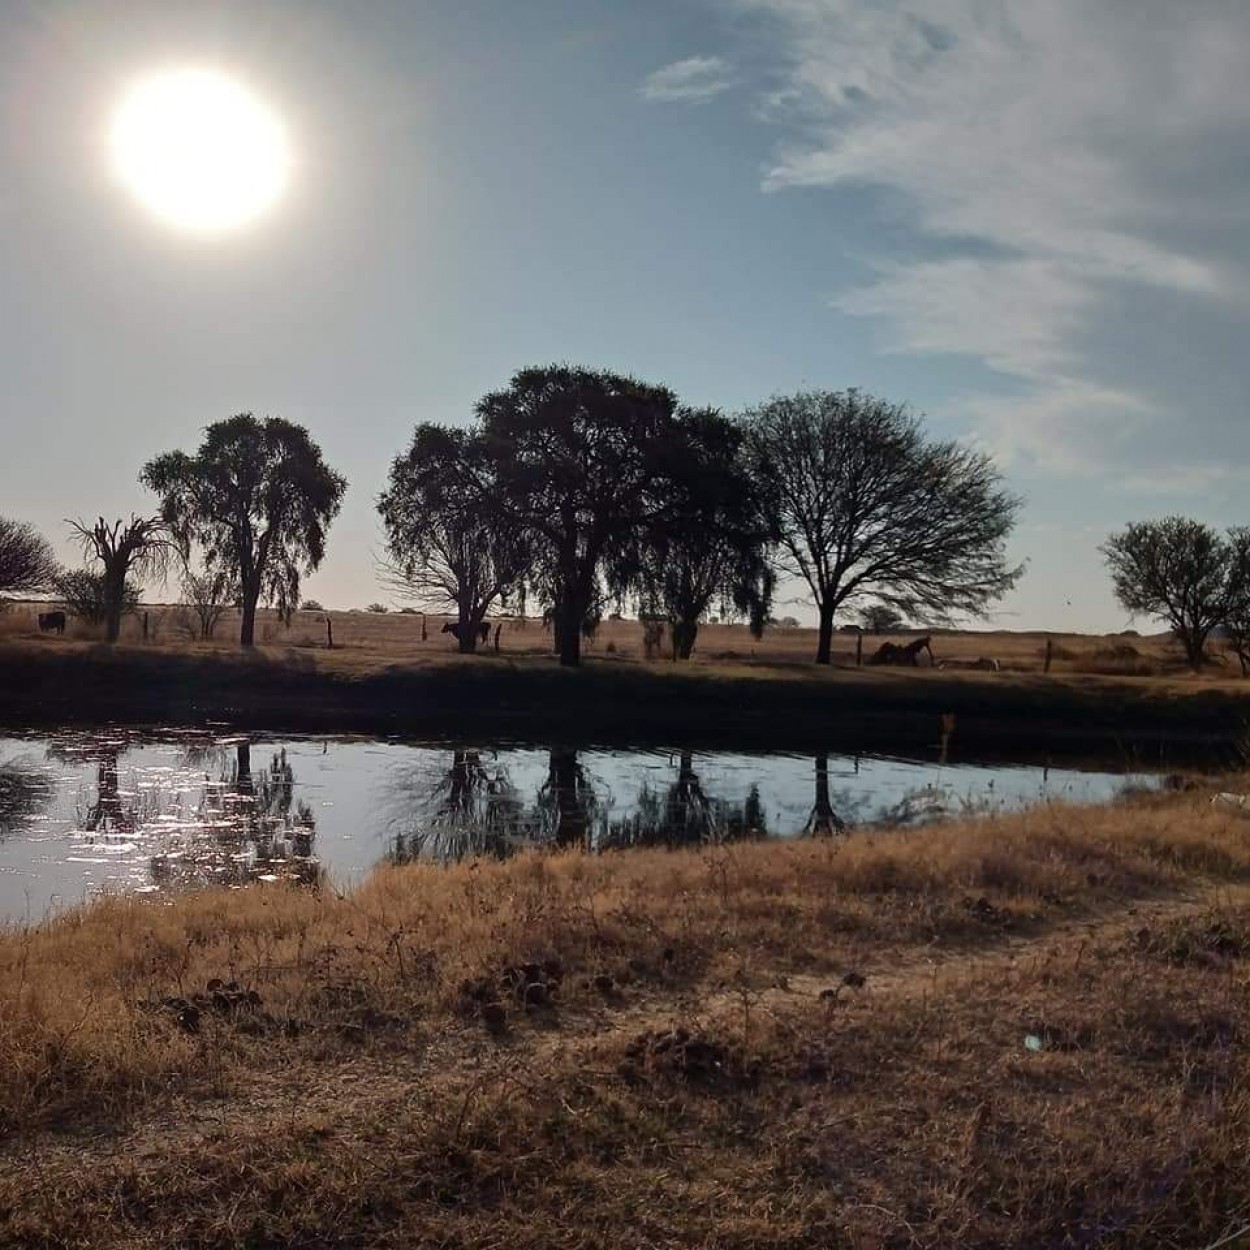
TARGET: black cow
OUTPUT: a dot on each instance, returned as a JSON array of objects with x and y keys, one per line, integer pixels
[
  {"x": 453, "y": 628},
  {"x": 49, "y": 621}
]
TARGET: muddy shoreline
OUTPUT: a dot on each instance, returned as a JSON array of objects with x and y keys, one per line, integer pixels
[{"x": 1016, "y": 717}]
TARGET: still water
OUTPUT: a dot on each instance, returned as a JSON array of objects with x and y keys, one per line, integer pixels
[{"x": 83, "y": 813}]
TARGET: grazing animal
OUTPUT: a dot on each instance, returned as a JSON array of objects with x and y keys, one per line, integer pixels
[
  {"x": 892, "y": 653},
  {"x": 986, "y": 664},
  {"x": 453, "y": 628},
  {"x": 49, "y": 621}
]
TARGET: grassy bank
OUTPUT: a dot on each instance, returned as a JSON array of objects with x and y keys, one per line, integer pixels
[
  {"x": 811, "y": 1044},
  {"x": 613, "y": 702}
]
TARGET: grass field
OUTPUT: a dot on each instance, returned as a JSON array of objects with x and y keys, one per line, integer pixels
[
  {"x": 386, "y": 638},
  {"x": 1016, "y": 1032}
]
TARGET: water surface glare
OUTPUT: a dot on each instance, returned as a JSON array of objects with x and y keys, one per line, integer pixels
[{"x": 82, "y": 813}]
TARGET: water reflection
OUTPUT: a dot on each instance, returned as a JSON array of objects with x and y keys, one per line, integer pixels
[
  {"x": 25, "y": 791},
  {"x": 471, "y": 807},
  {"x": 245, "y": 827},
  {"x": 129, "y": 811},
  {"x": 189, "y": 828},
  {"x": 686, "y": 815}
]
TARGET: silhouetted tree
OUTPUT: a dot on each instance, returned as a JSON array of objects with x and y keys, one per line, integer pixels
[
  {"x": 1183, "y": 572},
  {"x": 27, "y": 564},
  {"x": 141, "y": 546},
  {"x": 880, "y": 618},
  {"x": 84, "y": 595},
  {"x": 581, "y": 457},
  {"x": 259, "y": 497},
  {"x": 864, "y": 505},
  {"x": 449, "y": 540},
  {"x": 708, "y": 544}
]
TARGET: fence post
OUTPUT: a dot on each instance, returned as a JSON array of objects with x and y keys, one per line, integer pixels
[{"x": 329, "y": 634}]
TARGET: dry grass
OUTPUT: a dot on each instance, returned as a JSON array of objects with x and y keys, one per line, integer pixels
[
  {"x": 367, "y": 641},
  {"x": 392, "y": 1086}
]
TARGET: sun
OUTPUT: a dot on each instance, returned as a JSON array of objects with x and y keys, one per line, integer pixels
[{"x": 199, "y": 151}]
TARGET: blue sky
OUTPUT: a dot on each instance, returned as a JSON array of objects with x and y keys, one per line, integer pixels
[{"x": 1026, "y": 218}]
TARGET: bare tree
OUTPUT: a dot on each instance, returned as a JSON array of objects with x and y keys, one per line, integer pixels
[
  {"x": 209, "y": 595},
  {"x": 1185, "y": 573},
  {"x": 26, "y": 561},
  {"x": 82, "y": 593},
  {"x": 865, "y": 505},
  {"x": 139, "y": 547}
]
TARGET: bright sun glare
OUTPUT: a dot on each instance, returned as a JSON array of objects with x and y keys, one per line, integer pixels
[{"x": 199, "y": 150}]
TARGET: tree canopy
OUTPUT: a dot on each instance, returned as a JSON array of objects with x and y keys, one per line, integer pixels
[
  {"x": 450, "y": 540},
  {"x": 708, "y": 542},
  {"x": 581, "y": 457},
  {"x": 864, "y": 504},
  {"x": 27, "y": 564},
  {"x": 1183, "y": 572},
  {"x": 259, "y": 498}
]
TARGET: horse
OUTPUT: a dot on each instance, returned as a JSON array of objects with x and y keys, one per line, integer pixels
[
  {"x": 892, "y": 653},
  {"x": 453, "y": 628},
  {"x": 51, "y": 621}
]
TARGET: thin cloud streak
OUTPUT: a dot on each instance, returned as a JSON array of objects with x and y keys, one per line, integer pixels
[
  {"x": 695, "y": 80},
  {"x": 1050, "y": 152}
]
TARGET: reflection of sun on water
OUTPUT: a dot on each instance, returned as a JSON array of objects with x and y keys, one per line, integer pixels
[{"x": 199, "y": 151}]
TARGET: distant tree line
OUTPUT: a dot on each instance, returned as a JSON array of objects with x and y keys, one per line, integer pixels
[
  {"x": 583, "y": 489},
  {"x": 578, "y": 491}
]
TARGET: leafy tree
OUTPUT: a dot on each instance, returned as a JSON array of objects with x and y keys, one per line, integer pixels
[
  {"x": 86, "y": 596},
  {"x": 880, "y": 618},
  {"x": 709, "y": 542},
  {"x": 26, "y": 561},
  {"x": 450, "y": 542},
  {"x": 1183, "y": 572},
  {"x": 378, "y": 609},
  {"x": 259, "y": 497},
  {"x": 140, "y": 546},
  {"x": 865, "y": 505},
  {"x": 581, "y": 458},
  {"x": 311, "y": 605},
  {"x": 209, "y": 594}
]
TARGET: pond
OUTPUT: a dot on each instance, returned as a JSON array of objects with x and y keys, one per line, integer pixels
[{"x": 87, "y": 812}]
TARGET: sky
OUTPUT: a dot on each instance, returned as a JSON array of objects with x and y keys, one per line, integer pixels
[{"x": 1024, "y": 218}]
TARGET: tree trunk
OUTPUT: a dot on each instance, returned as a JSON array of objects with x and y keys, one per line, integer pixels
[
  {"x": 568, "y": 626},
  {"x": 684, "y": 635},
  {"x": 824, "y": 645},
  {"x": 247, "y": 629},
  {"x": 1194, "y": 641},
  {"x": 114, "y": 601}
]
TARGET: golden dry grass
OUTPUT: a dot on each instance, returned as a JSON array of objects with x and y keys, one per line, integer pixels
[
  {"x": 369, "y": 641},
  {"x": 392, "y": 1088}
]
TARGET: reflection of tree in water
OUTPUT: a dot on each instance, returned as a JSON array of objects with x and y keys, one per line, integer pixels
[
  {"x": 824, "y": 821},
  {"x": 111, "y": 811},
  {"x": 686, "y": 815},
  {"x": 24, "y": 792},
  {"x": 567, "y": 800},
  {"x": 249, "y": 827},
  {"x": 470, "y": 808}
]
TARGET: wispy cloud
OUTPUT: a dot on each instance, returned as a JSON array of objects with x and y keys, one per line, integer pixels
[
  {"x": 692, "y": 81},
  {"x": 1052, "y": 155}
]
